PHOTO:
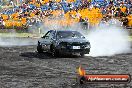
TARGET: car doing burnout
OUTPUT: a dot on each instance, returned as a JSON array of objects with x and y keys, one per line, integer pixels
[{"x": 61, "y": 42}]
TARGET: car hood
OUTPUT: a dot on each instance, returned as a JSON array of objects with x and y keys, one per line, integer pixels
[{"x": 73, "y": 40}]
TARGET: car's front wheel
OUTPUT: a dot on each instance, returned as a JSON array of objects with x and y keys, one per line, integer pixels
[
  {"x": 39, "y": 48},
  {"x": 54, "y": 52}
]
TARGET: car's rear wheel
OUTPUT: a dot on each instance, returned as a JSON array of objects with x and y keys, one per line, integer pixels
[
  {"x": 82, "y": 54},
  {"x": 39, "y": 48}
]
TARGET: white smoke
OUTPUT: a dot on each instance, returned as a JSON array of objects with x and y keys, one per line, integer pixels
[
  {"x": 109, "y": 40},
  {"x": 106, "y": 39},
  {"x": 12, "y": 41}
]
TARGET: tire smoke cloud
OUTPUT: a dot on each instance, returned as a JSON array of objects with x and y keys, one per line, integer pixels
[
  {"x": 107, "y": 40},
  {"x": 13, "y": 41}
]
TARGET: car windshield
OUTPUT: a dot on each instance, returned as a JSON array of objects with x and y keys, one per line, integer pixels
[{"x": 69, "y": 34}]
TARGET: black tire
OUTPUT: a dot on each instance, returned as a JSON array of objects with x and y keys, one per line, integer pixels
[
  {"x": 82, "y": 54},
  {"x": 39, "y": 48},
  {"x": 54, "y": 52}
]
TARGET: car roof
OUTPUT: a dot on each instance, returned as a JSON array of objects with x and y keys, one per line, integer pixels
[{"x": 64, "y": 30}]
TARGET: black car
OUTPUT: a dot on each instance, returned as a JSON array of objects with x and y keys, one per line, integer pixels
[{"x": 63, "y": 42}]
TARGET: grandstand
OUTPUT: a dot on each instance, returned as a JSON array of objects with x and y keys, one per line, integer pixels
[{"x": 23, "y": 13}]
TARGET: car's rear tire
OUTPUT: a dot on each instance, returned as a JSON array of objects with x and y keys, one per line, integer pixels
[
  {"x": 39, "y": 48},
  {"x": 82, "y": 54}
]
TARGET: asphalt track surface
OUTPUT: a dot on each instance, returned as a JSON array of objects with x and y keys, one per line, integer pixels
[{"x": 23, "y": 67}]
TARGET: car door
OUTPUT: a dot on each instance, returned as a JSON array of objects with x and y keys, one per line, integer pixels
[{"x": 47, "y": 40}]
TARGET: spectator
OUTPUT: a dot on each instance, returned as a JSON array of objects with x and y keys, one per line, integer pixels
[{"x": 86, "y": 11}]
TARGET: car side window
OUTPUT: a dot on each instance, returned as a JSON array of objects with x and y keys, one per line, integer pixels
[
  {"x": 48, "y": 35},
  {"x": 52, "y": 35}
]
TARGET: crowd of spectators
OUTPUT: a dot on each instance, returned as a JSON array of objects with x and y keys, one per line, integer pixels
[{"x": 89, "y": 13}]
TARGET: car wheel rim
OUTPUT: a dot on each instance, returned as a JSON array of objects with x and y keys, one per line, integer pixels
[{"x": 53, "y": 52}]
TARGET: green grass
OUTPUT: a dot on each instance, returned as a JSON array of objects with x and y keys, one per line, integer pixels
[
  {"x": 19, "y": 35},
  {"x": 130, "y": 38},
  {"x": 4, "y": 7}
]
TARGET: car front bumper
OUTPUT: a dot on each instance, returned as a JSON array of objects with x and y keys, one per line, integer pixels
[{"x": 74, "y": 51}]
